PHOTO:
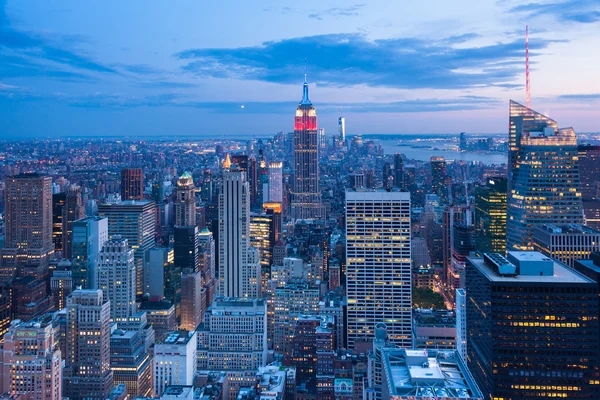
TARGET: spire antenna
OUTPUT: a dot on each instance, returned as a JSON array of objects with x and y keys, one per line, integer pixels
[
  {"x": 527, "y": 87},
  {"x": 305, "y": 71}
]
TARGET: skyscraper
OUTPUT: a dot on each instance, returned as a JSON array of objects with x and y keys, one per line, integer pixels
[
  {"x": 342, "y": 129},
  {"x": 58, "y": 202},
  {"x": 89, "y": 235},
  {"x": 135, "y": 221},
  {"x": 276, "y": 182},
  {"x": 532, "y": 327},
  {"x": 543, "y": 176},
  {"x": 398, "y": 171},
  {"x": 28, "y": 223},
  {"x": 72, "y": 211},
  {"x": 589, "y": 168},
  {"x": 438, "y": 177},
  {"x": 34, "y": 360},
  {"x": 87, "y": 373},
  {"x": 490, "y": 216},
  {"x": 306, "y": 199},
  {"x": 234, "y": 235},
  {"x": 566, "y": 243},
  {"x": 175, "y": 360},
  {"x": 378, "y": 264},
  {"x": 132, "y": 184},
  {"x": 192, "y": 296},
  {"x": 185, "y": 201},
  {"x": 130, "y": 362},
  {"x": 322, "y": 140},
  {"x": 116, "y": 277}
]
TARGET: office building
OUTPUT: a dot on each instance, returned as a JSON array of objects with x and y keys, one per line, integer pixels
[
  {"x": 34, "y": 360},
  {"x": 591, "y": 268},
  {"x": 61, "y": 284},
  {"x": 426, "y": 374},
  {"x": 438, "y": 177},
  {"x": 234, "y": 236},
  {"x": 58, "y": 202},
  {"x": 157, "y": 264},
  {"x": 73, "y": 210},
  {"x": 186, "y": 248},
  {"x": 262, "y": 237},
  {"x": 463, "y": 142},
  {"x": 434, "y": 329},
  {"x": 322, "y": 141},
  {"x": 135, "y": 221},
  {"x": 306, "y": 197},
  {"x": 185, "y": 201},
  {"x": 276, "y": 182},
  {"x": 87, "y": 373},
  {"x": 132, "y": 184},
  {"x": 463, "y": 245},
  {"x": 378, "y": 262},
  {"x": 523, "y": 342},
  {"x": 161, "y": 315},
  {"x": 28, "y": 242},
  {"x": 192, "y": 296},
  {"x": 566, "y": 243},
  {"x": 589, "y": 171},
  {"x": 89, "y": 235},
  {"x": 490, "y": 216},
  {"x": 341, "y": 130},
  {"x": 233, "y": 336},
  {"x": 130, "y": 362},
  {"x": 207, "y": 266},
  {"x": 175, "y": 361},
  {"x": 398, "y": 170},
  {"x": 543, "y": 176},
  {"x": 30, "y": 298},
  {"x": 116, "y": 277},
  {"x": 461, "y": 323}
]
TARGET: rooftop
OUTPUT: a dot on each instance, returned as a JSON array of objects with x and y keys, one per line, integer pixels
[
  {"x": 178, "y": 337},
  {"x": 567, "y": 229},
  {"x": 560, "y": 274},
  {"x": 427, "y": 374}
]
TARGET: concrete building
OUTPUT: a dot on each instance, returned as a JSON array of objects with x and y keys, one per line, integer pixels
[
  {"x": 34, "y": 360},
  {"x": 185, "y": 201},
  {"x": 434, "y": 329},
  {"x": 276, "y": 182},
  {"x": 566, "y": 243},
  {"x": 116, "y": 277},
  {"x": 87, "y": 373},
  {"x": 130, "y": 362},
  {"x": 233, "y": 336},
  {"x": 132, "y": 184},
  {"x": 378, "y": 263},
  {"x": 461, "y": 323},
  {"x": 73, "y": 210},
  {"x": 175, "y": 361},
  {"x": 192, "y": 296},
  {"x": 161, "y": 315}
]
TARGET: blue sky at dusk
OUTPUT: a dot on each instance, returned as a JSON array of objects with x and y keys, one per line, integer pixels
[{"x": 149, "y": 67}]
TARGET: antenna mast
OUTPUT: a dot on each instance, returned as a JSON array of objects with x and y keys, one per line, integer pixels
[{"x": 527, "y": 88}]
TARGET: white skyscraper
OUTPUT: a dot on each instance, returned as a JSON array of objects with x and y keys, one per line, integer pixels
[
  {"x": 175, "y": 361},
  {"x": 116, "y": 277},
  {"x": 461, "y": 323},
  {"x": 342, "y": 129},
  {"x": 276, "y": 182},
  {"x": 234, "y": 235},
  {"x": 378, "y": 259}
]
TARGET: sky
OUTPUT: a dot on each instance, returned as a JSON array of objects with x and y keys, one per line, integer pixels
[{"x": 141, "y": 68}]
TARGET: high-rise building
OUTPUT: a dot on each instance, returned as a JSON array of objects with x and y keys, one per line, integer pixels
[
  {"x": 461, "y": 323},
  {"x": 566, "y": 243},
  {"x": 378, "y": 264},
  {"x": 490, "y": 216},
  {"x": 192, "y": 295},
  {"x": 116, "y": 277},
  {"x": 342, "y": 130},
  {"x": 135, "y": 221},
  {"x": 89, "y": 235},
  {"x": 306, "y": 198},
  {"x": 398, "y": 170},
  {"x": 262, "y": 237},
  {"x": 322, "y": 140},
  {"x": 61, "y": 284},
  {"x": 207, "y": 266},
  {"x": 131, "y": 363},
  {"x": 186, "y": 247},
  {"x": 589, "y": 169},
  {"x": 438, "y": 177},
  {"x": 175, "y": 361},
  {"x": 30, "y": 349},
  {"x": 58, "y": 202},
  {"x": 463, "y": 245},
  {"x": 463, "y": 142},
  {"x": 132, "y": 184},
  {"x": 28, "y": 242},
  {"x": 543, "y": 176},
  {"x": 276, "y": 182},
  {"x": 87, "y": 373},
  {"x": 234, "y": 335},
  {"x": 72, "y": 211},
  {"x": 234, "y": 236},
  {"x": 523, "y": 342},
  {"x": 185, "y": 201}
]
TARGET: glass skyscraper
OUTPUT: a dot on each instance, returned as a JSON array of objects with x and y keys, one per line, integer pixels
[
  {"x": 543, "y": 176},
  {"x": 490, "y": 216}
]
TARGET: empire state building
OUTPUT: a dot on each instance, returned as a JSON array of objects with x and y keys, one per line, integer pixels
[{"x": 306, "y": 198}]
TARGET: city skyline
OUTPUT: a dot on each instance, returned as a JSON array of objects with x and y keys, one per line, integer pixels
[{"x": 64, "y": 73}]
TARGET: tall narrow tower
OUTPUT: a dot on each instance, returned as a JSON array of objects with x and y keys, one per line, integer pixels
[
  {"x": 527, "y": 88},
  {"x": 185, "y": 203},
  {"x": 306, "y": 200}
]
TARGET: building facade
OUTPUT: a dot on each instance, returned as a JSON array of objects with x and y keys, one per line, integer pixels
[
  {"x": 490, "y": 216},
  {"x": 116, "y": 277},
  {"x": 132, "y": 184},
  {"x": 89, "y": 235},
  {"x": 566, "y": 243}
]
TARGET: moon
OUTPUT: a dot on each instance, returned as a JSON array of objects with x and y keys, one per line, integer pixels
[{"x": 242, "y": 106}]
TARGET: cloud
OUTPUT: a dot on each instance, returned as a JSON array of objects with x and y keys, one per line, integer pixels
[
  {"x": 351, "y": 59},
  {"x": 581, "y": 11},
  {"x": 167, "y": 84},
  {"x": 580, "y": 97},
  {"x": 337, "y": 12},
  {"x": 119, "y": 101}
]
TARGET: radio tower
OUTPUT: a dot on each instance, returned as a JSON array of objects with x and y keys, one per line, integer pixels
[{"x": 527, "y": 88}]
